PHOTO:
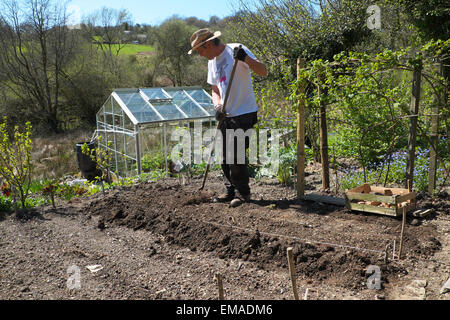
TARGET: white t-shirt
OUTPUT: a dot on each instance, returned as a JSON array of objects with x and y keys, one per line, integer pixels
[{"x": 241, "y": 98}]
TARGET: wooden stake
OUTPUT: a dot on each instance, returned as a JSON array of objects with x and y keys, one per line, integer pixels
[
  {"x": 335, "y": 172},
  {"x": 52, "y": 195},
  {"x": 300, "y": 135},
  {"x": 393, "y": 250},
  {"x": 292, "y": 272},
  {"x": 434, "y": 139},
  {"x": 401, "y": 234},
  {"x": 324, "y": 143},
  {"x": 220, "y": 285},
  {"x": 386, "y": 254},
  {"x": 305, "y": 297},
  {"x": 414, "y": 111}
]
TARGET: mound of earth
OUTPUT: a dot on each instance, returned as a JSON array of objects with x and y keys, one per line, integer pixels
[{"x": 333, "y": 248}]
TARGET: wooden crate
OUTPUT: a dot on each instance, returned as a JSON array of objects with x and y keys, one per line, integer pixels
[{"x": 386, "y": 201}]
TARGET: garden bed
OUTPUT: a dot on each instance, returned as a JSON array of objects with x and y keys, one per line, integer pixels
[{"x": 164, "y": 240}]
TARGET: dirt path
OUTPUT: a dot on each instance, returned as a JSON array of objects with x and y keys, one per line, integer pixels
[{"x": 166, "y": 241}]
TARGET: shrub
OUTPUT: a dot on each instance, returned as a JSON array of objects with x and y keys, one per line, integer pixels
[
  {"x": 5, "y": 204},
  {"x": 151, "y": 163},
  {"x": 15, "y": 159}
]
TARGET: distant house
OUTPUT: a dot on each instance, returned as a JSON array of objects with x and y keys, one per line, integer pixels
[{"x": 74, "y": 26}]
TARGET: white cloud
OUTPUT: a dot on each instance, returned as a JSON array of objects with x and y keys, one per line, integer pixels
[{"x": 74, "y": 14}]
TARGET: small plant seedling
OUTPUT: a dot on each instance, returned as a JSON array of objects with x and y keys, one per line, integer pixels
[{"x": 49, "y": 190}]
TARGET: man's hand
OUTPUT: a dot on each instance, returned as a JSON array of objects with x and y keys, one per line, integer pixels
[
  {"x": 240, "y": 54},
  {"x": 220, "y": 113}
]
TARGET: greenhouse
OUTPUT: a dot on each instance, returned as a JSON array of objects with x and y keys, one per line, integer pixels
[{"x": 135, "y": 125}]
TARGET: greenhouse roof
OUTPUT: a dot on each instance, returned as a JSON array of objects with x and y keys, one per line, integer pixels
[{"x": 149, "y": 105}]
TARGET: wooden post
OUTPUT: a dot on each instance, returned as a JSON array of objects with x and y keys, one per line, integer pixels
[
  {"x": 386, "y": 252},
  {"x": 305, "y": 297},
  {"x": 220, "y": 286},
  {"x": 324, "y": 143},
  {"x": 292, "y": 272},
  {"x": 335, "y": 172},
  {"x": 414, "y": 111},
  {"x": 52, "y": 195},
  {"x": 434, "y": 140},
  {"x": 401, "y": 234},
  {"x": 300, "y": 135},
  {"x": 165, "y": 149},
  {"x": 393, "y": 250}
]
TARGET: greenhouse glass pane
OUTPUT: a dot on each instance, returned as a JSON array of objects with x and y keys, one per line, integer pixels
[
  {"x": 138, "y": 107},
  {"x": 120, "y": 166},
  {"x": 117, "y": 109},
  {"x": 208, "y": 108},
  {"x": 131, "y": 165},
  {"x": 168, "y": 111},
  {"x": 147, "y": 116},
  {"x": 191, "y": 109},
  {"x": 182, "y": 100},
  {"x": 109, "y": 119},
  {"x": 118, "y": 121},
  {"x": 202, "y": 99},
  {"x": 108, "y": 105},
  {"x": 130, "y": 146},
  {"x": 120, "y": 147},
  {"x": 101, "y": 114},
  {"x": 128, "y": 124},
  {"x": 154, "y": 93},
  {"x": 109, "y": 139},
  {"x": 199, "y": 96}
]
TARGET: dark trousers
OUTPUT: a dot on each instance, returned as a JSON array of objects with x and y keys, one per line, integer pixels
[{"x": 236, "y": 174}]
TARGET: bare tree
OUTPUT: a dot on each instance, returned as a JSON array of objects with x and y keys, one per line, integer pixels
[
  {"x": 105, "y": 30},
  {"x": 36, "y": 48}
]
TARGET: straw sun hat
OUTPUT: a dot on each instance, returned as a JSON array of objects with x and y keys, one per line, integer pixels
[{"x": 202, "y": 36}]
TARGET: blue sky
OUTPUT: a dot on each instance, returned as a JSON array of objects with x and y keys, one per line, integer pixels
[{"x": 153, "y": 12}]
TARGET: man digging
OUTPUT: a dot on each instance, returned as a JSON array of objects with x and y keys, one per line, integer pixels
[{"x": 240, "y": 109}]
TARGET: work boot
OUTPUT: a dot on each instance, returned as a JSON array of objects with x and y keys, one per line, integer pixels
[
  {"x": 224, "y": 197},
  {"x": 238, "y": 200}
]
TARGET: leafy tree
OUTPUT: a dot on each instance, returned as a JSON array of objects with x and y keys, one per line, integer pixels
[
  {"x": 431, "y": 20},
  {"x": 280, "y": 31},
  {"x": 430, "y": 17},
  {"x": 198, "y": 23},
  {"x": 172, "y": 43}
]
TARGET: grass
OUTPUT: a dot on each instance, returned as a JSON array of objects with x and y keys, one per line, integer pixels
[
  {"x": 130, "y": 49},
  {"x": 54, "y": 156}
]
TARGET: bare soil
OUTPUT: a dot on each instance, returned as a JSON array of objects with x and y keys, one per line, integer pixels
[{"x": 166, "y": 240}]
